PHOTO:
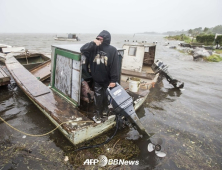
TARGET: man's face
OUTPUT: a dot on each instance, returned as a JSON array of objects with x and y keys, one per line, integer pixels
[{"x": 100, "y": 39}]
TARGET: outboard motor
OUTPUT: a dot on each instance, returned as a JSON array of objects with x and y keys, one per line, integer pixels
[
  {"x": 159, "y": 67},
  {"x": 122, "y": 104}
]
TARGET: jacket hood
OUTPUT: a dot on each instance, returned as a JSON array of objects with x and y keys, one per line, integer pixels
[{"x": 106, "y": 37}]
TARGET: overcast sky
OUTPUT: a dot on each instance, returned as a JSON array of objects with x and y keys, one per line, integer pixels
[{"x": 116, "y": 16}]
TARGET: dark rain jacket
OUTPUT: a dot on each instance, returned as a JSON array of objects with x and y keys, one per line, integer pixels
[{"x": 103, "y": 60}]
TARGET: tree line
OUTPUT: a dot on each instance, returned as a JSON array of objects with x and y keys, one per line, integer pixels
[{"x": 198, "y": 31}]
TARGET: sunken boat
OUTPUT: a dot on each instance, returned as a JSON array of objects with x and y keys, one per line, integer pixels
[{"x": 63, "y": 102}]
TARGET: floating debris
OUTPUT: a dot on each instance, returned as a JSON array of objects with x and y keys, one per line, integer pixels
[{"x": 66, "y": 158}]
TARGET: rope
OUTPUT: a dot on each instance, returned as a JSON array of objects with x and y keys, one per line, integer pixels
[{"x": 27, "y": 134}]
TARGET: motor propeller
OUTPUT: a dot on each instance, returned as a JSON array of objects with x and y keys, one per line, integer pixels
[{"x": 157, "y": 148}]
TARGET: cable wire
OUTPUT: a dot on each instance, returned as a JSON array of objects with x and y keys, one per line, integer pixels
[{"x": 27, "y": 134}]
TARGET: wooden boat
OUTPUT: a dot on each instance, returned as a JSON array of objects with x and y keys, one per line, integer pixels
[
  {"x": 137, "y": 61},
  {"x": 32, "y": 60},
  {"x": 61, "y": 102},
  {"x": 71, "y": 37}
]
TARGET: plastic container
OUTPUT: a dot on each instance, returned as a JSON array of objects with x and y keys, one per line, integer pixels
[{"x": 134, "y": 84}]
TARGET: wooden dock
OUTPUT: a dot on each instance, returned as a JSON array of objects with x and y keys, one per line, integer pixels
[{"x": 4, "y": 78}]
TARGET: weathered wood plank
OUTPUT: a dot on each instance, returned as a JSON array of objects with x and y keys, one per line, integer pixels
[
  {"x": 136, "y": 74},
  {"x": 4, "y": 78},
  {"x": 42, "y": 71},
  {"x": 61, "y": 110},
  {"x": 63, "y": 75},
  {"x": 3, "y": 74},
  {"x": 35, "y": 88}
]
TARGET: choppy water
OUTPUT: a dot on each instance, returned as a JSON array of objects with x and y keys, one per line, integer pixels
[{"x": 189, "y": 122}]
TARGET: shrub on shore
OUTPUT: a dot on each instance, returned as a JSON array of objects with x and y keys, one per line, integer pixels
[
  {"x": 181, "y": 37},
  {"x": 209, "y": 39},
  {"x": 214, "y": 58}
]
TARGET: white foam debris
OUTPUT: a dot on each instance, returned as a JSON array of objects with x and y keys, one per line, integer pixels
[
  {"x": 74, "y": 124},
  {"x": 79, "y": 118},
  {"x": 66, "y": 158}
]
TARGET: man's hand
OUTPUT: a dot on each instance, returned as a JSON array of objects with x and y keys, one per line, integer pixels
[
  {"x": 153, "y": 84},
  {"x": 112, "y": 84},
  {"x": 98, "y": 43}
]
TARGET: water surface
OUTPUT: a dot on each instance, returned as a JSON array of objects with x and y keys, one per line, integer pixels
[{"x": 187, "y": 121}]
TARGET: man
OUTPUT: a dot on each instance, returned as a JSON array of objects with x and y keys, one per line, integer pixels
[{"x": 103, "y": 60}]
